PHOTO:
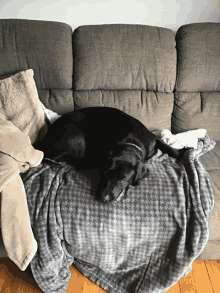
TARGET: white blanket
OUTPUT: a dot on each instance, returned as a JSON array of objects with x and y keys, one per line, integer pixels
[{"x": 188, "y": 139}]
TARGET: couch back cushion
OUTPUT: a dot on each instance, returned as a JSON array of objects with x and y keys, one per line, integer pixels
[
  {"x": 45, "y": 47},
  {"x": 129, "y": 67},
  {"x": 197, "y": 97}
]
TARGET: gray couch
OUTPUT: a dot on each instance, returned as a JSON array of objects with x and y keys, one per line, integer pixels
[{"x": 165, "y": 81}]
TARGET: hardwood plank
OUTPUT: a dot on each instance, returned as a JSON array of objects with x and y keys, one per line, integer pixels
[
  {"x": 174, "y": 289},
  {"x": 1, "y": 281},
  {"x": 188, "y": 285},
  {"x": 213, "y": 269},
  {"x": 14, "y": 280},
  {"x": 81, "y": 284},
  {"x": 10, "y": 284},
  {"x": 201, "y": 278}
]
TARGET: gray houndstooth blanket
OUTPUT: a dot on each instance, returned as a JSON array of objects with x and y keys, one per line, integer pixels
[{"x": 144, "y": 243}]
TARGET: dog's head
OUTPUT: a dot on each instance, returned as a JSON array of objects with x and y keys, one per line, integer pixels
[{"x": 120, "y": 171}]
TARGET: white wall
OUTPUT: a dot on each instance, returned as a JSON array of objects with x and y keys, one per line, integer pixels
[{"x": 166, "y": 13}]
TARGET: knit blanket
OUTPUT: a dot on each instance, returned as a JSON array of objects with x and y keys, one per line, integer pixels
[{"x": 143, "y": 243}]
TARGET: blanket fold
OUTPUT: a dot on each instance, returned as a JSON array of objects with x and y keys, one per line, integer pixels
[{"x": 16, "y": 155}]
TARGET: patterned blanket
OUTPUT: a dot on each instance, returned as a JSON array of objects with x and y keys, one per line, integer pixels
[{"x": 143, "y": 243}]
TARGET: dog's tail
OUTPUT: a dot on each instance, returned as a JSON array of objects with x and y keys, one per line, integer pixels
[{"x": 165, "y": 148}]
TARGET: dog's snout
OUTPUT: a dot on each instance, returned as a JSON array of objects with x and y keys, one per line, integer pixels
[
  {"x": 112, "y": 191},
  {"x": 107, "y": 193}
]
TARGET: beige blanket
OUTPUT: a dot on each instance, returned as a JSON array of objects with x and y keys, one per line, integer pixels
[
  {"x": 16, "y": 155},
  {"x": 21, "y": 123}
]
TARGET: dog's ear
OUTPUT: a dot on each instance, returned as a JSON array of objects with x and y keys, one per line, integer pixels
[{"x": 141, "y": 172}]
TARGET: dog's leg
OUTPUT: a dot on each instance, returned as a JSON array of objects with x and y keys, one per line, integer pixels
[{"x": 62, "y": 143}]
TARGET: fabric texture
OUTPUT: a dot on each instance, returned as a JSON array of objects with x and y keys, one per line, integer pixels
[
  {"x": 211, "y": 162},
  {"x": 20, "y": 104},
  {"x": 197, "y": 97},
  {"x": 16, "y": 155},
  {"x": 45, "y": 47},
  {"x": 197, "y": 110},
  {"x": 144, "y": 243},
  {"x": 128, "y": 67},
  {"x": 198, "y": 58},
  {"x": 122, "y": 57}
]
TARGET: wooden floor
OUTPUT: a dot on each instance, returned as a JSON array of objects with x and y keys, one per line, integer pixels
[{"x": 205, "y": 277}]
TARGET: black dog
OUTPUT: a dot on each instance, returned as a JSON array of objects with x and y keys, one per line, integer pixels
[{"x": 106, "y": 139}]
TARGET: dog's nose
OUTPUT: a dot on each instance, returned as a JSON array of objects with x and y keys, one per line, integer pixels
[{"x": 107, "y": 197}]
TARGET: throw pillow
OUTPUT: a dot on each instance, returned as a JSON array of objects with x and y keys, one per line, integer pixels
[{"x": 20, "y": 104}]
